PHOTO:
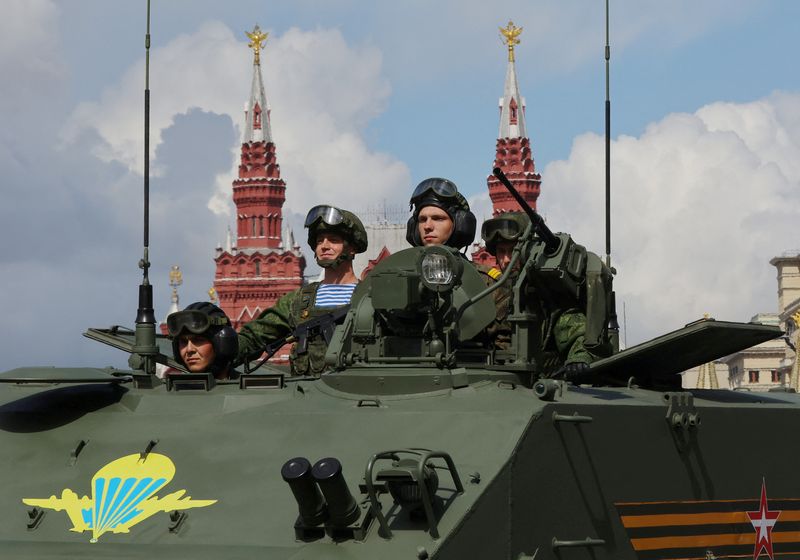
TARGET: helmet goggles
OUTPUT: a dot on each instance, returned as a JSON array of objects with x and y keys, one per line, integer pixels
[
  {"x": 328, "y": 214},
  {"x": 193, "y": 321},
  {"x": 501, "y": 228},
  {"x": 438, "y": 188}
]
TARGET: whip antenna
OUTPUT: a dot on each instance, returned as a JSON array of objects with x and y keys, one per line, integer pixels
[
  {"x": 144, "y": 347},
  {"x": 608, "y": 147},
  {"x": 613, "y": 324}
]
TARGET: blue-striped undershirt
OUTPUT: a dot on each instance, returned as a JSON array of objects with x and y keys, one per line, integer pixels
[{"x": 334, "y": 295}]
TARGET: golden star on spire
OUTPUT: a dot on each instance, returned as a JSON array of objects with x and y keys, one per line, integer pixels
[
  {"x": 510, "y": 34},
  {"x": 257, "y": 37}
]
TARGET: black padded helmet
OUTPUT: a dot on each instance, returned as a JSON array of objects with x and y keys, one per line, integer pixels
[
  {"x": 443, "y": 194},
  {"x": 207, "y": 320}
]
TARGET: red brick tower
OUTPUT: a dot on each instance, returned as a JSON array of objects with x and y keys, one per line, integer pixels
[
  {"x": 263, "y": 264},
  {"x": 513, "y": 154}
]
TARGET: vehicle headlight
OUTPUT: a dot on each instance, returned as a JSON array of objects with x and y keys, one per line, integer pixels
[{"x": 439, "y": 268}]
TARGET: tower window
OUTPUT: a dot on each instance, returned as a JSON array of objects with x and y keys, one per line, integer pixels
[
  {"x": 512, "y": 111},
  {"x": 261, "y": 226},
  {"x": 253, "y": 221},
  {"x": 257, "y": 117},
  {"x": 258, "y": 268}
]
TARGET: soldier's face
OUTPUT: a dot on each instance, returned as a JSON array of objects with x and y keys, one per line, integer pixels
[
  {"x": 504, "y": 250},
  {"x": 330, "y": 246},
  {"x": 196, "y": 351},
  {"x": 435, "y": 226}
]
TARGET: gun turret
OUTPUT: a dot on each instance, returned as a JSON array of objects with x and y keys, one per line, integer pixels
[
  {"x": 560, "y": 274},
  {"x": 551, "y": 241}
]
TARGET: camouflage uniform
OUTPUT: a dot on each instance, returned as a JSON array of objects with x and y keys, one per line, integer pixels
[
  {"x": 299, "y": 306},
  {"x": 280, "y": 320},
  {"x": 561, "y": 331}
]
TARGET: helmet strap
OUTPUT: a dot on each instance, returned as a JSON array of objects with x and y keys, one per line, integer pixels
[{"x": 342, "y": 258}]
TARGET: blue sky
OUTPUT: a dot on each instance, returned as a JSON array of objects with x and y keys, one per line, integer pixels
[{"x": 367, "y": 99}]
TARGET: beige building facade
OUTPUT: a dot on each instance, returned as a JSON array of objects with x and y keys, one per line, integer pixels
[{"x": 772, "y": 364}]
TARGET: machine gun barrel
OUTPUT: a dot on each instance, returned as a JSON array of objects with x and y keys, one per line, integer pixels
[{"x": 551, "y": 242}]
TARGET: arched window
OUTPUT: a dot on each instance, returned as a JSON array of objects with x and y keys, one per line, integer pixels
[
  {"x": 258, "y": 268},
  {"x": 253, "y": 220},
  {"x": 513, "y": 110},
  {"x": 261, "y": 226},
  {"x": 257, "y": 117}
]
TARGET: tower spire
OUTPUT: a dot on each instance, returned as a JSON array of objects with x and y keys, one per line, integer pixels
[
  {"x": 513, "y": 153},
  {"x": 257, "y": 123},
  {"x": 512, "y": 105}
]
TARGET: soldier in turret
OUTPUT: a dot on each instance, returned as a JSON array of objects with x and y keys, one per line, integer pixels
[
  {"x": 336, "y": 236},
  {"x": 563, "y": 329},
  {"x": 203, "y": 339},
  {"x": 441, "y": 215}
]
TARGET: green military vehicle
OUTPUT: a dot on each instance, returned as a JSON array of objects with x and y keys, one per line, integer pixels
[{"x": 420, "y": 442}]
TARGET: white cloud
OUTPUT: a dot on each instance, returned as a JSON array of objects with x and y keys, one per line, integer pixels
[
  {"x": 700, "y": 203},
  {"x": 322, "y": 93},
  {"x": 29, "y": 39}
]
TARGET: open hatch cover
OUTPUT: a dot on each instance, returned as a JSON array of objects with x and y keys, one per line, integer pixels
[{"x": 657, "y": 363}]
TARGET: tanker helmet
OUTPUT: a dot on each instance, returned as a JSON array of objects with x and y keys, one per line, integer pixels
[
  {"x": 508, "y": 226},
  {"x": 209, "y": 321},
  {"x": 443, "y": 194}
]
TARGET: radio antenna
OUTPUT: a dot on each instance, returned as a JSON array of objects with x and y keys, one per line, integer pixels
[
  {"x": 608, "y": 147},
  {"x": 613, "y": 324},
  {"x": 144, "y": 347}
]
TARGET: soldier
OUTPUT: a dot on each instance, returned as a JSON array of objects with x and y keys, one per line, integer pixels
[
  {"x": 441, "y": 215},
  {"x": 203, "y": 339},
  {"x": 336, "y": 236},
  {"x": 563, "y": 330}
]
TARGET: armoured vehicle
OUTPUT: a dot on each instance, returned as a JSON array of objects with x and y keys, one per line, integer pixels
[{"x": 421, "y": 443}]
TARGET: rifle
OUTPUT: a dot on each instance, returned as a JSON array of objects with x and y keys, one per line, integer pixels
[{"x": 324, "y": 324}]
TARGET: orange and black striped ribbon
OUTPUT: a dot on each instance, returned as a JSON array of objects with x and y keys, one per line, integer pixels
[{"x": 688, "y": 530}]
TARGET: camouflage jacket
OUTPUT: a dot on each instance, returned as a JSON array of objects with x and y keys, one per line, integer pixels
[
  {"x": 561, "y": 331},
  {"x": 281, "y": 320}
]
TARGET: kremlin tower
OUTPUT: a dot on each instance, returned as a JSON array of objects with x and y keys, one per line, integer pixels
[
  {"x": 263, "y": 262},
  {"x": 513, "y": 153}
]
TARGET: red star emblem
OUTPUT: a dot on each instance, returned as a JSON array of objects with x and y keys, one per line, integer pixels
[{"x": 763, "y": 522}]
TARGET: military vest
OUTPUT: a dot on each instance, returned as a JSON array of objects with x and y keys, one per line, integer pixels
[{"x": 311, "y": 362}]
